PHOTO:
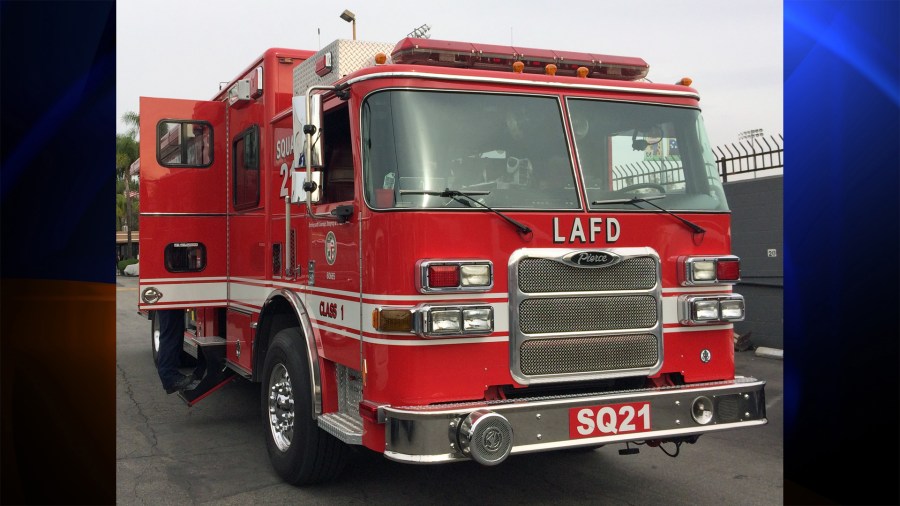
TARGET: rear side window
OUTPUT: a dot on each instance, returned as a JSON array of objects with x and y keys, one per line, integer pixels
[
  {"x": 184, "y": 143},
  {"x": 185, "y": 257}
]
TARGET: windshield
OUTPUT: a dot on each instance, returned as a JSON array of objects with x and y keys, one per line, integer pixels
[
  {"x": 629, "y": 149},
  {"x": 510, "y": 151}
]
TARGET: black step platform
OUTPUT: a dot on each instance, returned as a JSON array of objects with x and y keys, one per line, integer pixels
[{"x": 213, "y": 373}]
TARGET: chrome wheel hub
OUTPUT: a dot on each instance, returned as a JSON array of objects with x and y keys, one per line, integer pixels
[{"x": 281, "y": 407}]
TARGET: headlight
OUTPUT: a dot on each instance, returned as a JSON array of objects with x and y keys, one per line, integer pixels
[
  {"x": 447, "y": 321},
  {"x": 704, "y": 309},
  {"x": 732, "y": 309}
]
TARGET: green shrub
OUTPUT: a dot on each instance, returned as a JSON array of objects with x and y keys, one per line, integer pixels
[{"x": 125, "y": 263}]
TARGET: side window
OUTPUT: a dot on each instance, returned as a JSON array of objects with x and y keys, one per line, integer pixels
[
  {"x": 185, "y": 257},
  {"x": 184, "y": 143},
  {"x": 338, "y": 152},
  {"x": 246, "y": 169}
]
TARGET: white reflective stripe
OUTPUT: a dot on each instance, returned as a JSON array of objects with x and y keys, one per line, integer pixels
[
  {"x": 334, "y": 311},
  {"x": 249, "y": 294},
  {"x": 187, "y": 292},
  {"x": 691, "y": 289},
  {"x": 698, "y": 328},
  {"x": 250, "y": 309},
  {"x": 437, "y": 342},
  {"x": 670, "y": 310},
  {"x": 430, "y": 297},
  {"x": 146, "y": 281}
]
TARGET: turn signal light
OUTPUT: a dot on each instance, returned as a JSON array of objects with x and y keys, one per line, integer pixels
[{"x": 392, "y": 320}]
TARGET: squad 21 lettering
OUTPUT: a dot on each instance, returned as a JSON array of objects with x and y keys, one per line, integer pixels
[{"x": 587, "y": 233}]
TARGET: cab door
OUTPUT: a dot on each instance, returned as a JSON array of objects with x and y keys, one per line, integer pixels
[
  {"x": 183, "y": 204},
  {"x": 333, "y": 268}
]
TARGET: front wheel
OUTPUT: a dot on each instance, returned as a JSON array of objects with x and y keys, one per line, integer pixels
[{"x": 299, "y": 450}]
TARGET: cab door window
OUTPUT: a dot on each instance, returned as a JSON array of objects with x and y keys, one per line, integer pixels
[
  {"x": 338, "y": 180},
  {"x": 246, "y": 169}
]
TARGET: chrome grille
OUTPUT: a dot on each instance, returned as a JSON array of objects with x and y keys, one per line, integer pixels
[
  {"x": 588, "y": 354},
  {"x": 586, "y": 314},
  {"x": 570, "y": 323},
  {"x": 547, "y": 275}
]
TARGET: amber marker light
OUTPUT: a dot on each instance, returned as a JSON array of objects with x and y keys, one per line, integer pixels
[
  {"x": 392, "y": 320},
  {"x": 518, "y": 67},
  {"x": 582, "y": 72},
  {"x": 685, "y": 81},
  {"x": 380, "y": 59},
  {"x": 550, "y": 69}
]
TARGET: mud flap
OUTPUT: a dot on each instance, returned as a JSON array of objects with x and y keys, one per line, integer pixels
[{"x": 215, "y": 375}]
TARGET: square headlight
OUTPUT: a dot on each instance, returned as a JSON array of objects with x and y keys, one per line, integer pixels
[
  {"x": 705, "y": 310},
  {"x": 445, "y": 321},
  {"x": 703, "y": 270},
  {"x": 478, "y": 320},
  {"x": 732, "y": 309},
  {"x": 477, "y": 275}
]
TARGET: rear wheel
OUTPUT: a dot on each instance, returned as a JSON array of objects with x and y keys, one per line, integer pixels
[{"x": 299, "y": 450}]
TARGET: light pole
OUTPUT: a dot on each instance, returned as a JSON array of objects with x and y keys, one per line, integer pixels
[{"x": 350, "y": 18}]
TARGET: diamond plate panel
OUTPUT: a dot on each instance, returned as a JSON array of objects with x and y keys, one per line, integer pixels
[{"x": 347, "y": 56}]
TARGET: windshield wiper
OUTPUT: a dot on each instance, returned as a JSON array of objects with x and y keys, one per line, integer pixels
[
  {"x": 455, "y": 194},
  {"x": 634, "y": 200}
]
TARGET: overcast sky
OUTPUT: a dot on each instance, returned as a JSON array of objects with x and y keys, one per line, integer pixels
[{"x": 731, "y": 49}]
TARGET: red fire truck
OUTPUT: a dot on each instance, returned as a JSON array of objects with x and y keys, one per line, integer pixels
[{"x": 447, "y": 251}]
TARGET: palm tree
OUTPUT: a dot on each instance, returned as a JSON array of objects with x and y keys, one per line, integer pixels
[{"x": 127, "y": 151}]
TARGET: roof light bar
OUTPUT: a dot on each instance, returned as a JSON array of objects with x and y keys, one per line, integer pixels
[{"x": 445, "y": 53}]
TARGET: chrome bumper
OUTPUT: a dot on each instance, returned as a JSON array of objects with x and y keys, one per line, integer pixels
[{"x": 427, "y": 434}]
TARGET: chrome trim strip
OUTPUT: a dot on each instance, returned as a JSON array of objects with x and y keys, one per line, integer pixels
[{"x": 517, "y": 82}]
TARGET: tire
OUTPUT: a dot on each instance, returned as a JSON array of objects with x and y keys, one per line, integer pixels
[{"x": 300, "y": 452}]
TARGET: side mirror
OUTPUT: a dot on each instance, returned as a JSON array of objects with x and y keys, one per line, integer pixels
[
  {"x": 298, "y": 194},
  {"x": 315, "y": 125}
]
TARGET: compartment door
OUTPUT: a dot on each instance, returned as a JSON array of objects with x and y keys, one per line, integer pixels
[{"x": 183, "y": 204}]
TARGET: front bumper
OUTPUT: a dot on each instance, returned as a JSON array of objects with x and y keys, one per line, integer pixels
[{"x": 428, "y": 434}]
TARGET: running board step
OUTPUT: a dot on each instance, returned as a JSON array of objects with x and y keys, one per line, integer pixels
[
  {"x": 347, "y": 428},
  {"x": 211, "y": 362}
]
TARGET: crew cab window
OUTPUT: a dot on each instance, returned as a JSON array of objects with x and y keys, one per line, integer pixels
[
  {"x": 184, "y": 143},
  {"x": 246, "y": 169}
]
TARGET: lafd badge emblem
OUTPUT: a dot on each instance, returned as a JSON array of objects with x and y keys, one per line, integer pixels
[{"x": 330, "y": 248}]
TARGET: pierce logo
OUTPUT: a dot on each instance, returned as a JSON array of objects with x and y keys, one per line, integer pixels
[{"x": 592, "y": 258}]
